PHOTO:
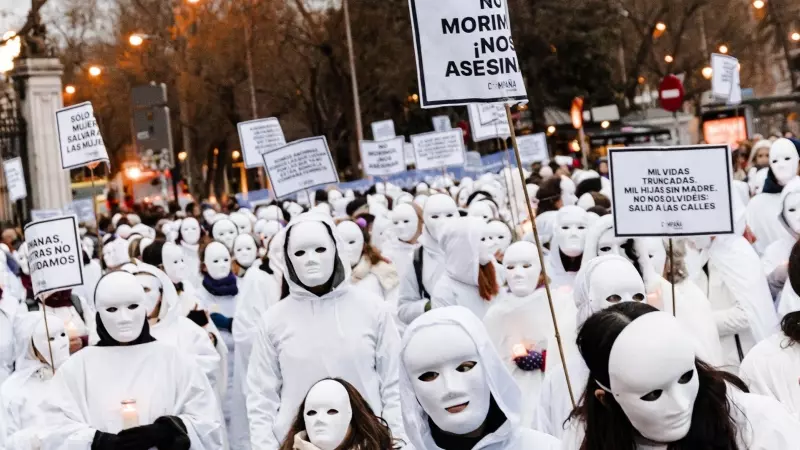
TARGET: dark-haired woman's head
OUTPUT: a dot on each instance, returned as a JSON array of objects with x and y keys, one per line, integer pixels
[
  {"x": 549, "y": 195},
  {"x": 645, "y": 383}
]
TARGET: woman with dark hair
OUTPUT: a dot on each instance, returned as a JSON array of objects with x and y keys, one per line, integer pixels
[
  {"x": 334, "y": 416},
  {"x": 549, "y": 196},
  {"x": 648, "y": 390},
  {"x": 370, "y": 270}
]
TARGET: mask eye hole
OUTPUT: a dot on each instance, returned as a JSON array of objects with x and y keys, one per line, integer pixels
[
  {"x": 565, "y": 228},
  {"x": 133, "y": 306},
  {"x": 638, "y": 297},
  {"x": 428, "y": 376},
  {"x": 321, "y": 249},
  {"x": 113, "y": 309},
  {"x": 332, "y": 412},
  {"x": 605, "y": 249},
  {"x": 352, "y": 242},
  {"x": 687, "y": 377},
  {"x": 653, "y": 396},
  {"x": 613, "y": 298},
  {"x": 299, "y": 253},
  {"x": 526, "y": 266},
  {"x": 435, "y": 216},
  {"x": 581, "y": 227},
  {"x": 449, "y": 215},
  {"x": 63, "y": 334},
  {"x": 466, "y": 366},
  {"x": 311, "y": 413},
  {"x": 510, "y": 267}
]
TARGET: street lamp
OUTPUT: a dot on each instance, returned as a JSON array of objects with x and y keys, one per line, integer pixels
[
  {"x": 707, "y": 72},
  {"x": 133, "y": 172},
  {"x": 795, "y": 36},
  {"x": 235, "y": 155},
  {"x": 95, "y": 71},
  {"x": 551, "y": 130},
  {"x": 136, "y": 40},
  {"x": 723, "y": 49},
  {"x": 182, "y": 156},
  {"x": 194, "y": 2},
  {"x": 661, "y": 26},
  {"x": 668, "y": 59},
  {"x": 758, "y": 4},
  {"x": 605, "y": 124},
  {"x": 70, "y": 89}
]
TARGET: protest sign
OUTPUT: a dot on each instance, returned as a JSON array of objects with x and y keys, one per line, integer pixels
[
  {"x": 437, "y": 150},
  {"x": 383, "y": 130},
  {"x": 42, "y": 214},
  {"x": 533, "y": 148},
  {"x": 258, "y": 137},
  {"x": 15, "y": 178},
  {"x": 83, "y": 209},
  {"x": 54, "y": 254},
  {"x": 383, "y": 158},
  {"x": 408, "y": 151},
  {"x": 725, "y": 78},
  {"x": 465, "y": 53},
  {"x": 563, "y": 160},
  {"x": 474, "y": 162},
  {"x": 79, "y": 136},
  {"x": 488, "y": 121},
  {"x": 671, "y": 191},
  {"x": 300, "y": 165},
  {"x": 441, "y": 123}
]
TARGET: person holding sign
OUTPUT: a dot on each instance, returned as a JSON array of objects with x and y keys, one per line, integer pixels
[
  {"x": 326, "y": 327},
  {"x": 173, "y": 403}
]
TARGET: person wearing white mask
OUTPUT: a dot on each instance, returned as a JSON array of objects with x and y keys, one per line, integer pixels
[
  {"x": 566, "y": 246},
  {"x": 370, "y": 270},
  {"x": 470, "y": 278},
  {"x": 481, "y": 208},
  {"x": 568, "y": 189},
  {"x": 245, "y": 252},
  {"x": 325, "y": 328},
  {"x": 225, "y": 231},
  {"x": 242, "y": 222},
  {"x": 189, "y": 241},
  {"x": 502, "y": 237},
  {"x": 208, "y": 217},
  {"x": 174, "y": 402},
  {"x": 270, "y": 212},
  {"x": 420, "y": 275},
  {"x": 647, "y": 390},
  {"x": 24, "y": 391},
  {"x": 766, "y": 206},
  {"x": 407, "y": 228},
  {"x": 776, "y": 255},
  {"x": 456, "y": 392},
  {"x": 520, "y": 324}
]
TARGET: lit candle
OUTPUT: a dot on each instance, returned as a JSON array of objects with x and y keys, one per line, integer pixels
[
  {"x": 130, "y": 416},
  {"x": 519, "y": 350},
  {"x": 72, "y": 330}
]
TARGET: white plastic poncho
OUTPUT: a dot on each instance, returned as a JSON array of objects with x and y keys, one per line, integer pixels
[
  {"x": 771, "y": 369},
  {"x": 345, "y": 333},
  {"x": 512, "y": 435}
]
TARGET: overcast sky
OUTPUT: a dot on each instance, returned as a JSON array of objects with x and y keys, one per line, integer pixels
[{"x": 12, "y": 13}]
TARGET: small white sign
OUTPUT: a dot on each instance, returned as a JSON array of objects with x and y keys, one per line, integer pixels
[
  {"x": 533, "y": 148},
  {"x": 383, "y": 158},
  {"x": 671, "y": 191},
  {"x": 300, "y": 165},
  {"x": 15, "y": 178},
  {"x": 54, "y": 254},
  {"x": 488, "y": 121},
  {"x": 441, "y": 123},
  {"x": 474, "y": 162},
  {"x": 43, "y": 214},
  {"x": 465, "y": 52},
  {"x": 408, "y": 151},
  {"x": 83, "y": 209},
  {"x": 725, "y": 78},
  {"x": 437, "y": 150},
  {"x": 258, "y": 137},
  {"x": 79, "y": 136},
  {"x": 383, "y": 130}
]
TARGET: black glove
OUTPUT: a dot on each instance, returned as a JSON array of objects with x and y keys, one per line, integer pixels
[
  {"x": 171, "y": 434},
  {"x": 199, "y": 317},
  {"x": 108, "y": 441},
  {"x": 222, "y": 322}
]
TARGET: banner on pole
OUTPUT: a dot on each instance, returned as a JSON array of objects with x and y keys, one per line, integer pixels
[
  {"x": 83, "y": 209},
  {"x": 441, "y": 123},
  {"x": 258, "y": 137},
  {"x": 383, "y": 158},
  {"x": 54, "y": 254},
  {"x": 671, "y": 191},
  {"x": 383, "y": 130},
  {"x": 437, "y": 150},
  {"x": 533, "y": 148},
  {"x": 300, "y": 165},
  {"x": 725, "y": 78},
  {"x": 79, "y": 136},
  {"x": 488, "y": 121},
  {"x": 465, "y": 53},
  {"x": 15, "y": 179},
  {"x": 44, "y": 214}
]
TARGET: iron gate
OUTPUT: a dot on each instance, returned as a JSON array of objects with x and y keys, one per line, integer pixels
[{"x": 13, "y": 143}]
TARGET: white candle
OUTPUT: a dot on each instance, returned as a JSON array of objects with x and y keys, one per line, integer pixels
[{"x": 130, "y": 416}]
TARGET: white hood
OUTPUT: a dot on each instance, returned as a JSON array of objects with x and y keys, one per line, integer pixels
[
  {"x": 582, "y": 285},
  {"x": 170, "y": 300},
  {"x": 593, "y": 234},
  {"x": 791, "y": 187},
  {"x": 461, "y": 242}
]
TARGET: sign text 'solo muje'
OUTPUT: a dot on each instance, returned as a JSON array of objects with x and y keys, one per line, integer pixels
[
  {"x": 670, "y": 189},
  {"x": 85, "y": 133}
]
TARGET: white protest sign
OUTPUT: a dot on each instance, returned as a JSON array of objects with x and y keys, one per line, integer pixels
[
  {"x": 437, "y": 150},
  {"x": 15, "y": 178},
  {"x": 671, "y": 191},
  {"x": 488, "y": 121},
  {"x": 83, "y": 209},
  {"x": 465, "y": 53},
  {"x": 441, "y": 123},
  {"x": 383, "y": 158},
  {"x": 383, "y": 130},
  {"x": 54, "y": 254},
  {"x": 79, "y": 136},
  {"x": 43, "y": 214},
  {"x": 533, "y": 148},
  {"x": 725, "y": 78},
  {"x": 258, "y": 137},
  {"x": 300, "y": 165},
  {"x": 474, "y": 162},
  {"x": 408, "y": 151}
]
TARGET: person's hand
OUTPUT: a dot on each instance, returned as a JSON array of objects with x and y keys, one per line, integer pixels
[{"x": 75, "y": 344}]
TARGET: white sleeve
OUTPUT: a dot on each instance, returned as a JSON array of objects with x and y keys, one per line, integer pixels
[
  {"x": 387, "y": 364},
  {"x": 264, "y": 384},
  {"x": 198, "y": 408},
  {"x": 732, "y": 320},
  {"x": 202, "y": 348},
  {"x": 68, "y": 427},
  {"x": 409, "y": 303}
]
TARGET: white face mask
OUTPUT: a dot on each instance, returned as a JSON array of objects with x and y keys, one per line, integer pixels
[
  {"x": 190, "y": 230},
  {"x": 608, "y": 244},
  {"x": 334, "y": 195},
  {"x": 783, "y": 160},
  {"x": 613, "y": 282},
  {"x": 208, "y": 215},
  {"x": 245, "y": 250},
  {"x": 522, "y": 268},
  {"x": 571, "y": 231},
  {"x": 353, "y": 241},
  {"x": 294, "y": 210},
  {"x": 480, "y": 209},
  {"x": 152, "y": 292},
  {"x": 405, "y": 222},
  {"x": 242, "y": 222},
  {"x": 327, "y": 414},
  {"x": 59, "y": 341},
  {"x": 463, "y": 196},
  {"x": 311, "y": 252},
  {"x": 439, "y": 209},
  {"x": 653, "y": 377},
  {"x": 88, "y": 245},
  {"x": 568, "y": 197},
  {"x": 657, "y": 254},
  {"x": 217, "y": 260},
  {"x": 22, "y": 258},
  {"x": 501, "y": 234},
  {"x": 271, "y": 228},
  {"x": 174, "y": 265},
  {"x": 448, "y": 378},
  {"x": 791, "y": 211},
  {"x": 225, "y": 231},
  {"x": 323, "y": 208},
  {"x": 488, "y": 246},
  {"x": 120, "y": 301}
]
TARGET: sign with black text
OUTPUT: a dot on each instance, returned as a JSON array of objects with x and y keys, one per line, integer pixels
[
  {"x": 79, "y": 136},
  {"x": 488, "y": 121},
  {"x": 383, "y": 130},
  {"x": 83, "y": 209},
  {"x": 437, "y": 150},
  {"x": 671, "y": 191},
  {"x": 465, "y": 53},
  {"x": 15, "y": 178},
  {"x": 300, "y": 165},
  {"x": 54, "y": 254},
  {"x": 533, "y": 148},
  {"x": 441, "y": 123},
  {"x": 408, "y": 151},
  {"x": 258, "y": 137},
  {"x": 383, "y": 158},
  {"x": 725, "y": 83}
]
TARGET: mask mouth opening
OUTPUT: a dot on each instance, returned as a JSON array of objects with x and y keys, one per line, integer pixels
[{"x": 336, "y": 278}]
